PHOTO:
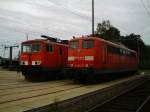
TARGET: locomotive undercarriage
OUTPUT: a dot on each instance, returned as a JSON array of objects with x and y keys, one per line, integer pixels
[
  {"x": 81, "y": 75},
  {"x": 37, "y": 73},
  {"x": 91, "y": 75}
]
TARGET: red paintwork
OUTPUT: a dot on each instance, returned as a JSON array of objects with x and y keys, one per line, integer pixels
[
  {"x": 48, "y": 60},
  {"x": 103, "y": 60}
]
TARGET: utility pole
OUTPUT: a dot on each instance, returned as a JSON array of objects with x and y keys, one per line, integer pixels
[
  {"x": 10, "y": 53},
  {"x": 138, "y": 50},
  {"x": 0, "y": 51},
  {"x": 93, "y": 17},
  {"x": 4, "y": 52},
  {"x": 27, "y": 36}
]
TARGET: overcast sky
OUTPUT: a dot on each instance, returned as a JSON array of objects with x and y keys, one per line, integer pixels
[{"x": 67, "y": 18}]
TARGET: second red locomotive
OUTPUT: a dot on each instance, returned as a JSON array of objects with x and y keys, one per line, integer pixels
[
  {"x": 93, "y": 55},
  {"x": 43, "y": 58}
]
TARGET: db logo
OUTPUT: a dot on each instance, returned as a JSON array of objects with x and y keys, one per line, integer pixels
[
  {"x": 79, "y": 50},
  {"x": 79, "y": 58}
]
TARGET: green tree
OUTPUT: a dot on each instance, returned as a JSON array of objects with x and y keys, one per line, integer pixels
[
  {"x": 133, "y": 41},
  {"x": 106, "y": 31}
]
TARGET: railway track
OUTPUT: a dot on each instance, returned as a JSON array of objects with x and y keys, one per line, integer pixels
[
  {"x": 18, "y": 95},
  {"x": 23, "y": 85},
  {"x": 31, "y": 89},
  {"x": 34, "y": 93},
  {"x": 132, "y": 101}
]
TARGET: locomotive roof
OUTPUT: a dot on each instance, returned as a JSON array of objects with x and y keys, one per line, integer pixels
[
  {"x": 43, "y": 41},
  {"x": 35, "y": 40},
  {"x": 102, "y": 40}
]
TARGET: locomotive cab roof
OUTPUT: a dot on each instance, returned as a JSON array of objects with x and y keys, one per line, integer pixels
[
  {"x": 91, "y": 37},
  {"x": 55, "y": 39},
  {"x": 47, "y": 39}
]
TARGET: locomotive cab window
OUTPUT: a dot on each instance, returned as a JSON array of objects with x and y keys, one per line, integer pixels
[
  {"x": 87, "y": 44},
  {"x": 74, "y": 44},
  {"x": 26, "y": 48},
  {"x": 36, "y": 47},
  {"x": 49, "y": 48}
]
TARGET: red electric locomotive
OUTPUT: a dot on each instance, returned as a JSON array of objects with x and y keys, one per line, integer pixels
[
  {"x": 42, "y": 59},
  {"x": 93, "y": 55}
]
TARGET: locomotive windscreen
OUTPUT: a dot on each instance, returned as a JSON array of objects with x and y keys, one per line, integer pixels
[
  {"x": 26, "y": 48},
  {"x": 87, "y": 44},
  {"x": 74, "y": 44},
  {"x": 36, "y": 47}
]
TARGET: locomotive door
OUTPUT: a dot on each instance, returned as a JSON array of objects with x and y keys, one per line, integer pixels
[
  {"x": 51, "y": 56},
  {"x": 61, "y": 57},
  {"x": 104, "y": 54},
  {"x": 29, "y": 58}
]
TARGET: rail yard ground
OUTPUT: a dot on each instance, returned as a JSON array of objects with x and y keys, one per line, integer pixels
[{"x": 17, "y": 94}]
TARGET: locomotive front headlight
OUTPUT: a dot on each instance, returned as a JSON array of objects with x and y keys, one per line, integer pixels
[
  {"x": 70, "y": 65},
  {"x": 23, "y": 62},
  {"x": 86, "y": 65},
  {"x": 36, "y": 62},
  {"x": 89, "y": 58},
  {"x": 71, "y": 58}
]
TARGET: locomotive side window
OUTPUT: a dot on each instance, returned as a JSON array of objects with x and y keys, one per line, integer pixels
[
  {"x": 88, "y": 44},
  {"x": 127, "y": 53},
  {"x": 49, "y": 48},
  {"x": 74, "y": 44},
  {"x": 36, "y": 47},
  {"x": 26, "y": 48},
  {"x": 120, "y": 51},
  {"x": 113, "y": 50}
]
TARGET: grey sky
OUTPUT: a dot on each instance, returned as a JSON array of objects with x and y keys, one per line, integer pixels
[{"x": 65, "y": 18}]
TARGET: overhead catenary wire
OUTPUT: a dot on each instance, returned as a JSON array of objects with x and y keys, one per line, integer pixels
[
  {"x": 64, "y": 7},
  {"x": 148, "y": 4},
  {"x": 85, "y": 17},
  {"x": 144, "y": 6}
]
